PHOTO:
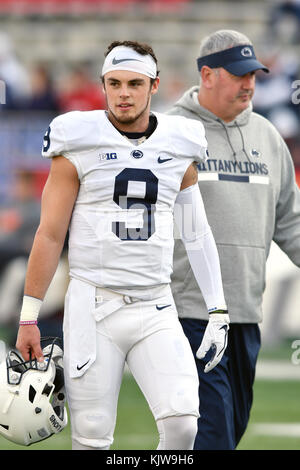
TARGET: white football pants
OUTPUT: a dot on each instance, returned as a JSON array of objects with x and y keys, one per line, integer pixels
[{"x": 148, "y": 336}]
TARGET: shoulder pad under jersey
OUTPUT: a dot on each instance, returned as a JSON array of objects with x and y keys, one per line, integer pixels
[
  {"x": 187, "y": 137},
  {"x": 75, "y": 131}
]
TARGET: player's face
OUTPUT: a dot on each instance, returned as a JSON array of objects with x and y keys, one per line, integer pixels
[
  {"x": 128, "y": 96},
  {"x": 232, "y": 93}
]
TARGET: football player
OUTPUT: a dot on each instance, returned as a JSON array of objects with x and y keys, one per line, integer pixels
[{"x": 118, "y": 177}]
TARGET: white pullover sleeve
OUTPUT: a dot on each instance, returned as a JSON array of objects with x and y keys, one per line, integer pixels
[{"x": 195, "y": 232}]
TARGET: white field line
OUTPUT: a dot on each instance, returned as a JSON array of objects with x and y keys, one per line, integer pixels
[
  {"x": 276, "y": 429},
  {"x": 277, "y": 370},
  {"x": 270, "y": 370}
]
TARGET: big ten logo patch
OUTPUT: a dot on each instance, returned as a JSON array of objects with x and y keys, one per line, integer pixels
[{"x": 108, "y": 156}]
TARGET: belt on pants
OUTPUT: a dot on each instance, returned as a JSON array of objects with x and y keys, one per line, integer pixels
[{"x": 110, "y": 302}]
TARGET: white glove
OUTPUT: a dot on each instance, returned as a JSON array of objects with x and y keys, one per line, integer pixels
[{"x": 215, "y": 337}]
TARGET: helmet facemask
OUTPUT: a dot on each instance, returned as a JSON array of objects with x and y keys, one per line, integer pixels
[{"x": 32, "y": 395}]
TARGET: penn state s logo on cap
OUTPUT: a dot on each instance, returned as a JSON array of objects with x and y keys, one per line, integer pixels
[
  {"x": 137, "y": 154},
  {"x": 246, "y": 52}
]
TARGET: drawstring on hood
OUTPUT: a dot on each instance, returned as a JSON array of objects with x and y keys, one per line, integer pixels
[
  {"x": 243, "y": 142},
  {"x": 189, "y": 102},
  {"x": 228, "y": 138},
  {"x": 229, "y": 141}
]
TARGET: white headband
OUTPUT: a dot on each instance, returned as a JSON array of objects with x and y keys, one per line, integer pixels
[{"x": 125, "y": 58}]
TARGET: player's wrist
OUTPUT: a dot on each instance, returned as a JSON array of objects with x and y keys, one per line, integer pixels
[
  {"x": 222, "y": 310},
  {"x": 30, "y": 310},
  {"x": 219, "y": 314}
]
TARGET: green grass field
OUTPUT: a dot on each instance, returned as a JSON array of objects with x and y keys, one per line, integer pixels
[{"x": 276, "y": 403}]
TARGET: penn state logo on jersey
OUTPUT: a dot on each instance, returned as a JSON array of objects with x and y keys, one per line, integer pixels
[{"x": 137, "y": 154}]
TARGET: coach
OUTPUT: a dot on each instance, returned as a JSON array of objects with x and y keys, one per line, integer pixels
[{"x": 251, "y": 198}]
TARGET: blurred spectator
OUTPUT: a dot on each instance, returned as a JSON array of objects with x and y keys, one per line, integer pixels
[
  {"x": 273, "y": 93},
  {"x": 43, "y": 96},
  {"x": 18, "y": 223},
  {"x": 285, "y": 21},
  {"x": 80, "y": 92},
  {"x": 19, "y": 220},
  {"x": 14, "y": 75},
  {"x": 172, "y": 88}
]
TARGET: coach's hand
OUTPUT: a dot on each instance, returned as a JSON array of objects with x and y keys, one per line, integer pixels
[
  {"x": 215, "y": 338},
  {"x": 29, "y": 341}
]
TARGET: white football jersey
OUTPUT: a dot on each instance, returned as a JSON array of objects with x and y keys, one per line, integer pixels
[{"x": 121, "y": 231}]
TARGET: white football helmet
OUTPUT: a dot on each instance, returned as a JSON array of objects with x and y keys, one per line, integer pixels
[{"x": 32, "y": 396}]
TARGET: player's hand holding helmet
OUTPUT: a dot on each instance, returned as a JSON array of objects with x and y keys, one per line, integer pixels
[
  {"x": 32, "y": 396},
  {"x": 215, "y": 338}
]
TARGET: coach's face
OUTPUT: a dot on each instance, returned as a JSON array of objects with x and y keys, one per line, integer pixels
[
  {"x": 224, "y": 94},
  {"x": 128, "y": 96},
  {"x": 233, "y": 93}
]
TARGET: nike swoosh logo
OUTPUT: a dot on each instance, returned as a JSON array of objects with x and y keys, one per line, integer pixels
[
  {"x": 118, "y": 61},
  {"x": 162, "y": 307},
  {"x": 224, "y": 327},
  {"x": 163, "y": 160},
  {"x": 81, "y": 367}
]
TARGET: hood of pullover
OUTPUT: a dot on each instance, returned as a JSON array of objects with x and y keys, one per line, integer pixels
[{"x": 190, "y": 104}]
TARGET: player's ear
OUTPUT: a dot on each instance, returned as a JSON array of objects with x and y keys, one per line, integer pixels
[
  {"x": 154, "y": 86},
  {"x": 207, "y": 76}
]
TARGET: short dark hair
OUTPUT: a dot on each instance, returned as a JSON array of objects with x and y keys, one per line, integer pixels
[{"x": 139, "y": 47}]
